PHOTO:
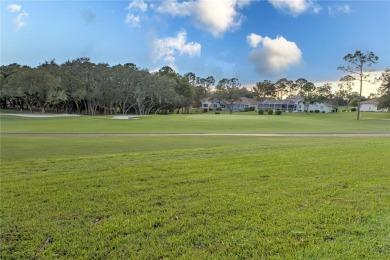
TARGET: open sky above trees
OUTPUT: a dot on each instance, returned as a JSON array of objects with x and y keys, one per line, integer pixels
[{"x": 249, "y": 40}]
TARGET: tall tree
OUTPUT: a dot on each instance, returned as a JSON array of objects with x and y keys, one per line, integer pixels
[
  {"x": 324, "y": 92},
  {"x": 346, "y": 84},
  {"x": 228, "y": 91},
  {"x": 202, "y": 89},
  {"x": 359, "y": 60},
  {"x": 307, "y": 91},
  {"x": 384, "y": 90},
  {"x": 264, "y": 89}
]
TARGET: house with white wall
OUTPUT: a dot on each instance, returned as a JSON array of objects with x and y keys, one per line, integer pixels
[
  {"x": 370, "y": 106},
  {"x": 295, "y": 104},
  {"x": 239, "y": 105}
]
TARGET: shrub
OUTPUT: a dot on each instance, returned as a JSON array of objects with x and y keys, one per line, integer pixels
[
  {"x": 252, "y": 109},
  {"x": 353, "y": 109},
  {"x": 311, "y": 111},
  {"x": 278, "y": 112},
  {"x": 205, "y": 110},
  {"x": 246, "y": 109},
  {"x": 322, "y": 111},
  {"x": 317, "y": 111},
  {"x": 217, "y": 113},
  {"x": 270, "y": 111},
  {"x": 218, "y": 109},
  {"x": 260, "y": 112}
]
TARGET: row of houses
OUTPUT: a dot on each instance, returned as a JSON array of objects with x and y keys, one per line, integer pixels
[{"x": 293, "y": 104}]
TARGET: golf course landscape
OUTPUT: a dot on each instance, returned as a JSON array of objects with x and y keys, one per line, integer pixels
[{"x": 196, "y": 186}]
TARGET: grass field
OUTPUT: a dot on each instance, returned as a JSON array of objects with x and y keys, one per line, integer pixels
[
  {"x": 205, "y": 123},
  {"x": 217, "y": 197}
]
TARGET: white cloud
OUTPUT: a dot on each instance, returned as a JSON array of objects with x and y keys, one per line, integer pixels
[
  {"x": 345, "y": 9},
  {"x": 14, "y": 8},
  {"x": 253, "y": 40},
  {"x": 175, "y": 8},
  {"x": 275, "y": 55},
  {"x": 166, "y": 48},
  {"x": 133, "y": 20},
  {"x": 20, "y": 20},
  {"x": 295, "y": 7},
  {"x": 138, "y": 4},
  {"x": 216, "y": 17}
]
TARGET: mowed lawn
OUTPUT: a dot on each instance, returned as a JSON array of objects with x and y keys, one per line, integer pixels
[
  {"x": 191, "y": 197},
  {"x": 204, "y": 123}
]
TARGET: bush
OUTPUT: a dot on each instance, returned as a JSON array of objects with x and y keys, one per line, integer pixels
[
  {"x": 205, "y": 110},
  {"x": 353, "y": 109},
  {"x": 322, "y": 111},
  {"x": 311, "y": 111},
  {"x": 278, "y": 112},
  {"x": 246, "y": 109},
  {"x": 260, "y": 112},
  {"x": 317, "y": 111},
  {"x": 217, "y": 113},
  {"x": 252, "y": 109},
  {"x": 270, "y": 112},
  {"x": 218, "y": 109}
]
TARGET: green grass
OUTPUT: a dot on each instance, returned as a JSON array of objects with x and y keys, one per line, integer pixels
[
  {"x": 205, "y": 123},
  {"x": 192, "y": 197}
]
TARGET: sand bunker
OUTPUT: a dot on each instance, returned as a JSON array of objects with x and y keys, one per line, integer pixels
[
  {"x": 125, "y": 117},
  {"x": 42, "y": 115}
]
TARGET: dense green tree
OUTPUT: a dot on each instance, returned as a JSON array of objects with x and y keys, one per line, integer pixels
[
  {"x": 324, "y": 93},
  {"x": 264, "y": 89}
]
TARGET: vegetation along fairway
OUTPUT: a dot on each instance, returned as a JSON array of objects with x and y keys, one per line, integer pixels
[{"x": 191, "y": 197}]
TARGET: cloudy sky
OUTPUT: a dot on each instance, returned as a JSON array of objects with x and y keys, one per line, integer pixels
[{"x": 251, "y": 40}]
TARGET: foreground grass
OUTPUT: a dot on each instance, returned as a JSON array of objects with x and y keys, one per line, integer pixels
[
  {"x": 186, "y": 197},
  {"x": 205, "y": 123}
]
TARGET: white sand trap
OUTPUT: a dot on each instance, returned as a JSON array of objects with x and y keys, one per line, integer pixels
[
  {"x": 42, "y": 115},
  {"x": 125, "y": 117}
]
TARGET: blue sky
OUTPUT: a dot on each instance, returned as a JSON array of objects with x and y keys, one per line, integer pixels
[{"x": 250, "y": 40}]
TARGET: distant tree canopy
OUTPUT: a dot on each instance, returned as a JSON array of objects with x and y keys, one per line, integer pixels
[{"x": 81, "y": 86}]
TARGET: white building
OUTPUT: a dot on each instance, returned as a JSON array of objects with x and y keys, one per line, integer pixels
[
  {"x": 295, "y": 104},
  {"x": 370, "y": 106},
  {"x": 240, "y": 105}
]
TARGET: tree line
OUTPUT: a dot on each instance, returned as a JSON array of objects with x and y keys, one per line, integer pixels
[{"x": 81, "y": 86}]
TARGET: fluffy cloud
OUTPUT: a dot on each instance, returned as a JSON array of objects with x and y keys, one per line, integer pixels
[
  {"x": 295, "y": 7},
  {"x": 135, "y": 8},
  {"x": 275, "y": 55},
  {"x": 345, "y": 9},
  {"x": 14, "y": 8},
  {"x": 138, "y": 4},
  {"x": 167, "y": 48},
  {"x": 253, "y": 40},
  {"x": 216, "y": 17}
]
